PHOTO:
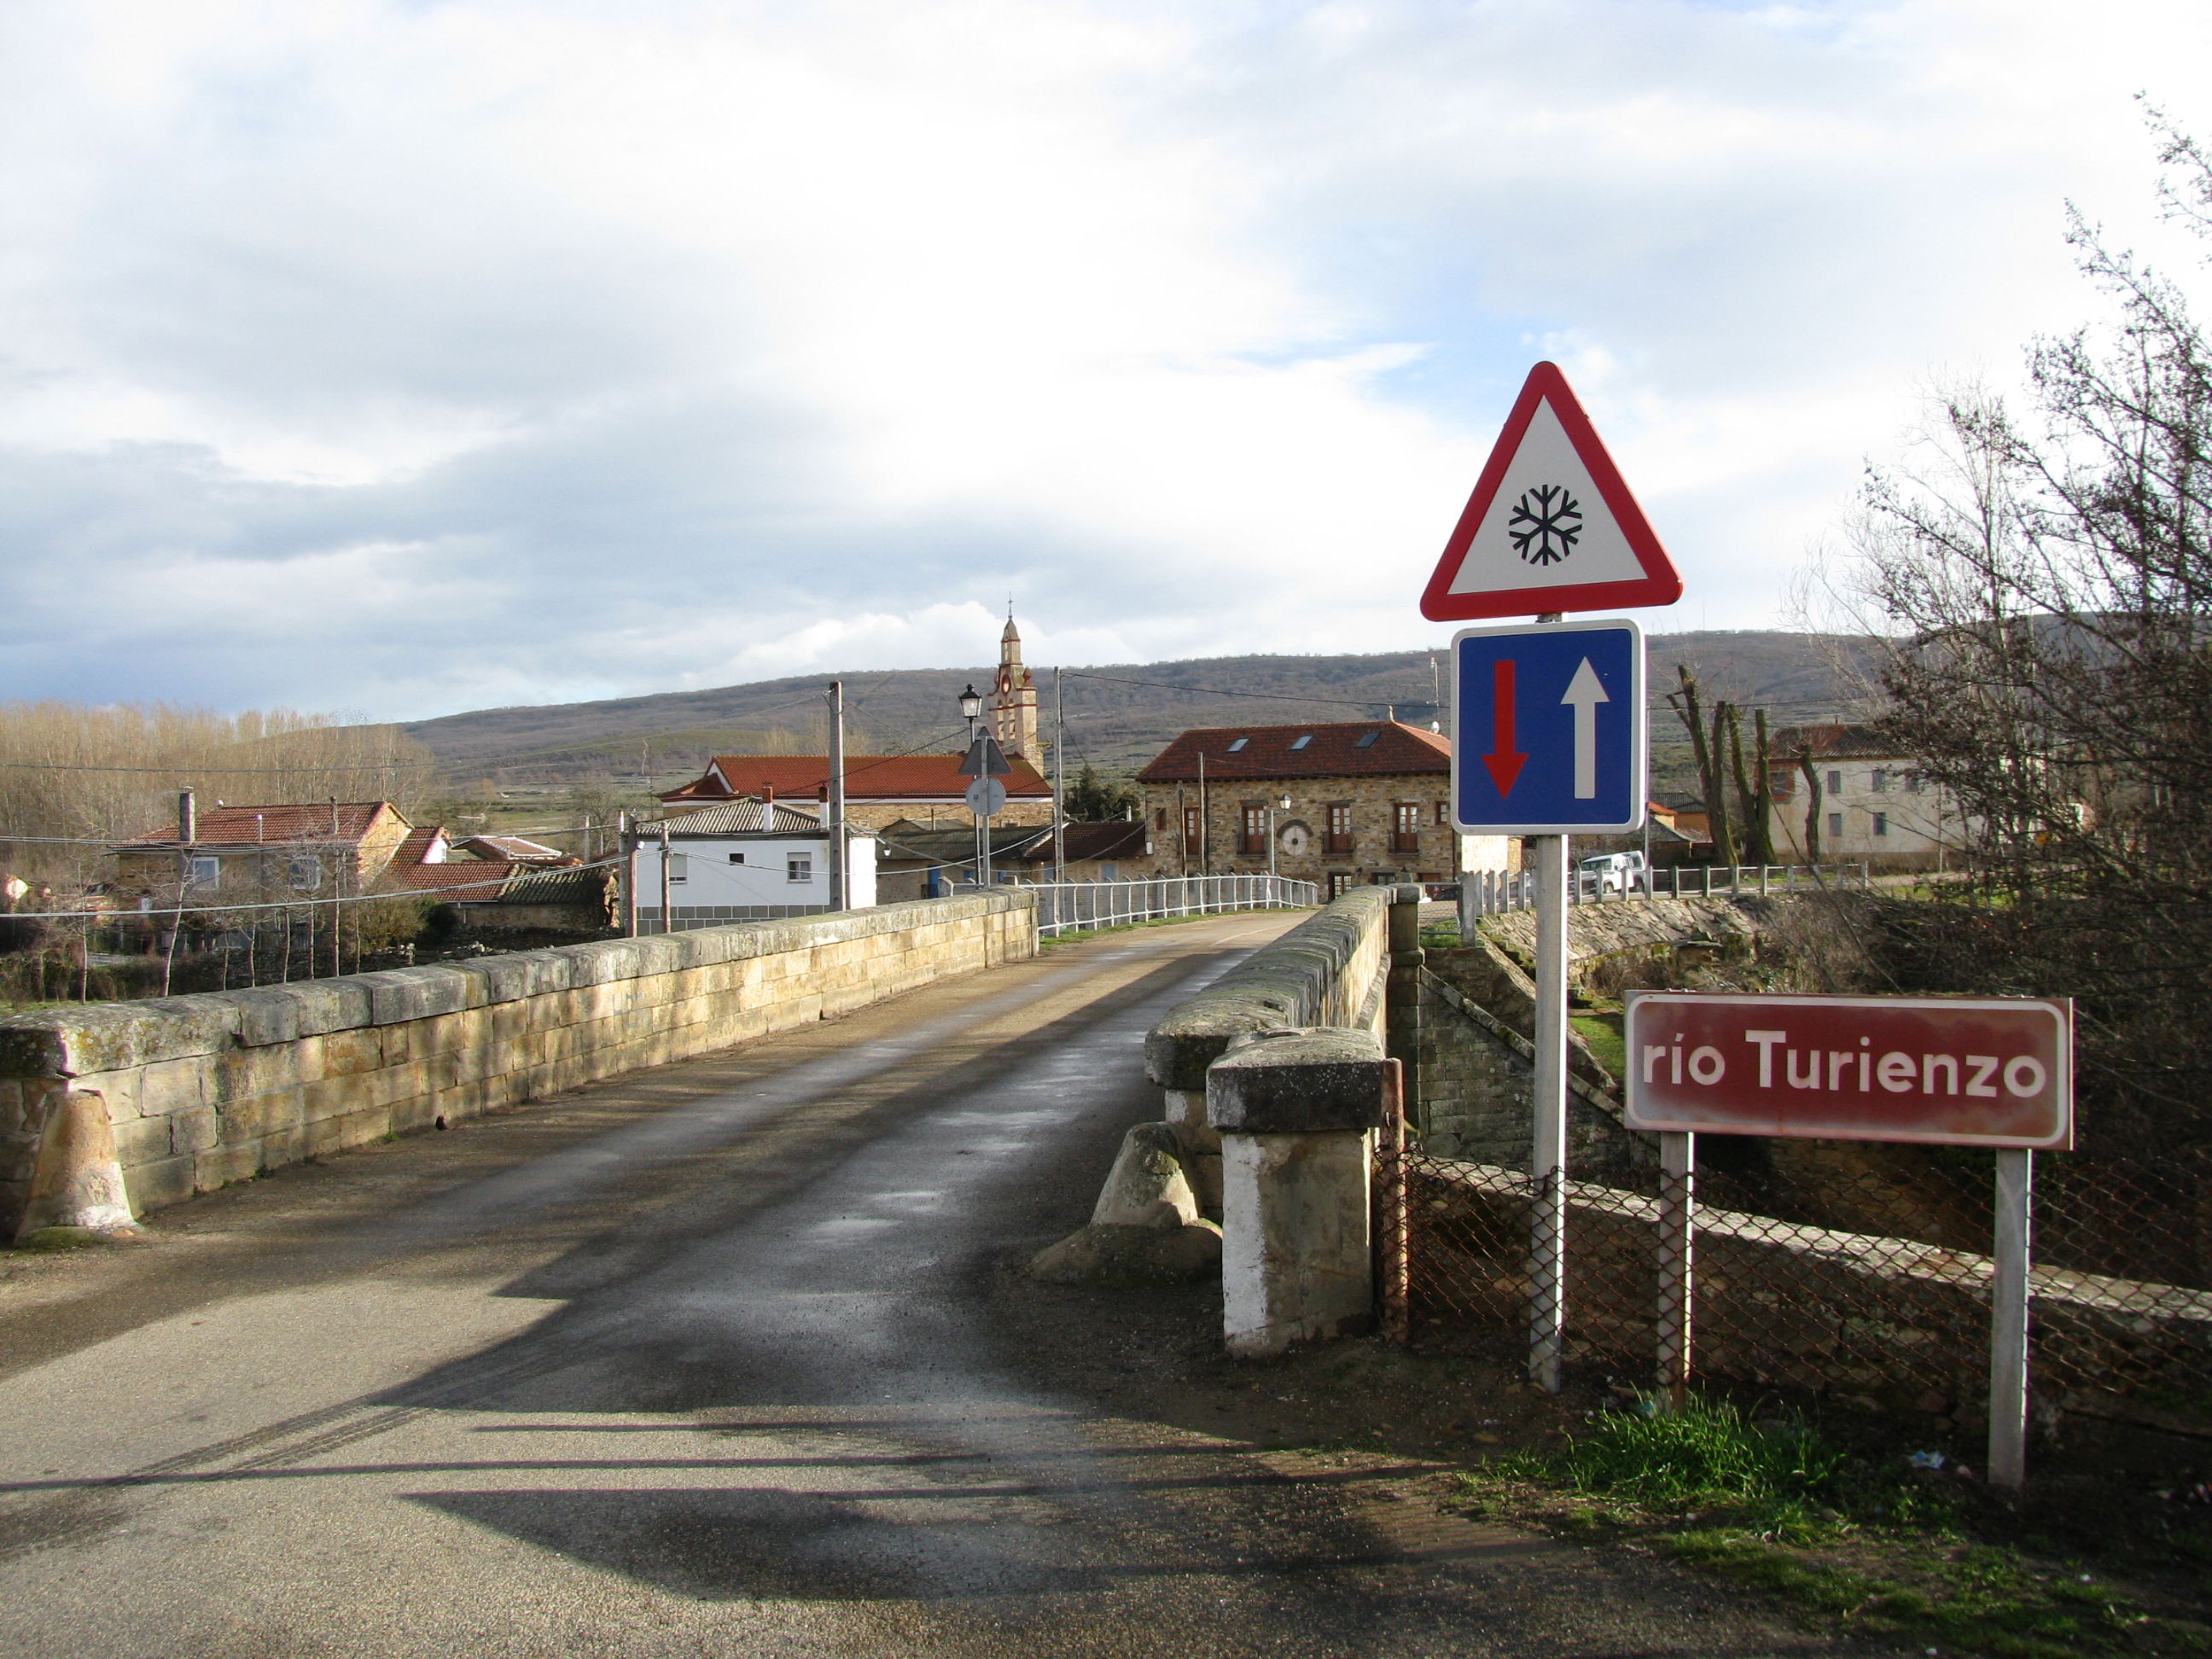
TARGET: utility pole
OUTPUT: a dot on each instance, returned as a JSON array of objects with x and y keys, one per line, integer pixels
[
  {"x": 626, "y": 844},
  {"x": 667, "y": 921},
  {"x": 836, "y": 812},
  {"x": 1059, "y": 781},
  {"x": 1205, "y": 829}
]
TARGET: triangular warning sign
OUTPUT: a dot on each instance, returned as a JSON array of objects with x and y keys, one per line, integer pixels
[{"x": 1551, "y": 526}]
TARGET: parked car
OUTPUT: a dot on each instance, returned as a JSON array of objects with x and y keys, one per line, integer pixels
[{"x": 1611, "y": 873}]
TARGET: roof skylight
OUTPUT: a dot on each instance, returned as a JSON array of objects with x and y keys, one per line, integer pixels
[{"x": 1300, "y": 743}]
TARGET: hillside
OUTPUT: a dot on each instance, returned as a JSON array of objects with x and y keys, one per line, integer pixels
[{"x": 1117, "y": 716}]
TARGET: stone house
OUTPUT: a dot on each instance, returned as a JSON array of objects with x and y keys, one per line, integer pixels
[
  {"x": 238, "y": 855},
  {"x": 1875, "y": 804},
  {"x": 1367, "y": 801}
]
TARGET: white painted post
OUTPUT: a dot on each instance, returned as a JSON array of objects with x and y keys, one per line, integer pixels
[
  {"x": 1548, "y": 1155},
  {"x": 2008, "y": 1321},
  {"x": 1678, "y": 1220}
]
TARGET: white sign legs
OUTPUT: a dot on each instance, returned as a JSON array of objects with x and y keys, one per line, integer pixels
[
  {"x": 1678, "y": 1228},
  {"x": 1547, "y": 1161},
  {"x": 2008, "y": 1321}
]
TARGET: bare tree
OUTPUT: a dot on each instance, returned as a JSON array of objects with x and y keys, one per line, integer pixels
[{"x": 2047, "y": 568}]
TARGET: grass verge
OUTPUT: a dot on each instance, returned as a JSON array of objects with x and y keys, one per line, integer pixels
[{"x": 1860, "y": 1541}]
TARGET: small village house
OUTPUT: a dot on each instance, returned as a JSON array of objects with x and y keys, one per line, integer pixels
[
  {"x": 750, "y": 859},
  {"x": 1876, "y": 806},
  {"x": 1344, "y": 805}
]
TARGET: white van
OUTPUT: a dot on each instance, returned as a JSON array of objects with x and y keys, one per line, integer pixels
[{"x": 1611, "y": 873}]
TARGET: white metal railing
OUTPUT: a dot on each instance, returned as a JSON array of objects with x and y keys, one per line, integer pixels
[
  {"x": 1492, "y": 892},
  {"x": 1067, "y": 906}
]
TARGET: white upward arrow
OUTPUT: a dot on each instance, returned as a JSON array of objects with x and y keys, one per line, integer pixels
[{"x": 1585, "y": 692}]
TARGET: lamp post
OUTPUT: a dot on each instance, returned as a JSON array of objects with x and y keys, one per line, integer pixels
[
  {"x": 1285, "y": 804},
  {"x": 971, "y": 708}
]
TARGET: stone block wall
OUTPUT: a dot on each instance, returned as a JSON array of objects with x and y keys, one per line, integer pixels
[
  {"x": 206, "y": 1090},
  {"x": 1373, "y": 802}
]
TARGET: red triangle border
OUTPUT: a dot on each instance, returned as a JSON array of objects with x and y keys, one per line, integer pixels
[{"x": 1659, "y": 585}]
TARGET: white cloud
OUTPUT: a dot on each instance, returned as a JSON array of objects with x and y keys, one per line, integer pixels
[{"x": 410, "y": 356}]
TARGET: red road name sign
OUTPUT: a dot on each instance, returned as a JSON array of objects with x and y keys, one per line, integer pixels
[{"x": 1958, "y": 1071}]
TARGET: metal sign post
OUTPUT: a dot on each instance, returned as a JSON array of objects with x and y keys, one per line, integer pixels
[
  {"x": 1547, "y": 1160},
  {"x": 1549, "y": 742},
  {"x": 1941, "y": 1071},
  {"x": 986, "y": 796},
  {"x": 1555, "y": 716}
]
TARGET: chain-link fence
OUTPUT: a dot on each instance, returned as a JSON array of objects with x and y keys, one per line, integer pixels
[{"x": 1851, "y": 1268}]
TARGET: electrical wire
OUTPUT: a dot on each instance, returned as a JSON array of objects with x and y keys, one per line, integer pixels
[{"x": 181, "y": 908}]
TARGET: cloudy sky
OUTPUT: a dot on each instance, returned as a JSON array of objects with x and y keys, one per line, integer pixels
[{"x": 410, "y": 356}]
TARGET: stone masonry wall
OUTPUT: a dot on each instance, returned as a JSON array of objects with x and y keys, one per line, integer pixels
[
  {"x": 206, "y": 1090},
  {"x": 1373, "y": 802}
]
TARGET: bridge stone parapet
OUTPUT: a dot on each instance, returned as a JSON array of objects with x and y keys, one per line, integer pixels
[{"x": 200, "y": 1090}]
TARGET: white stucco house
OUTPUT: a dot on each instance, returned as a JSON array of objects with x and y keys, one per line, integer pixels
[
  {"x": 1875, "y": 804},
  {"x": 746, "y": 860}
]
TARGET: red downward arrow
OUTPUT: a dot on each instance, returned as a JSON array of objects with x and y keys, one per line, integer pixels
[{"x": 1504, "y": 765}]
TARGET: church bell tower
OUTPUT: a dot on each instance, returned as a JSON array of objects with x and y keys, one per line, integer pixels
[{"x": 1014, "y": 699}]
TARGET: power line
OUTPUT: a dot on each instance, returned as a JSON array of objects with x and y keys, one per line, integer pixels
[
  {"x": 200, "y": 767},
  {"x": 181, "y": 908},
  {"x": 1266, "y": 696}
]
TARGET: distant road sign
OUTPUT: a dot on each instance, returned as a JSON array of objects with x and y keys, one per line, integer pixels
[
  {"x": 1958, "y": 1071},
  {"x": 985, "y": 759},
  {"x": 986, "y": 798},
  {"x": 1548, "y": 735},
  {"x": 1551, "y": 526}
]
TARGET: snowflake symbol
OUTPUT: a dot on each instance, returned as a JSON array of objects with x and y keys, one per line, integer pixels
[{"x": 1553, "y": 524}]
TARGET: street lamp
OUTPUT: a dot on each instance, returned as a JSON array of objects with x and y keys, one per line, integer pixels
[
  {"x": 971, "y": 707},
  {"x": 1285, "y": 803}
]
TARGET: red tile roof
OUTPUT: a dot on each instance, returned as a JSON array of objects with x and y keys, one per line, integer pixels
[
  {"x": 222, "y": 826},
  {"x": 477, "y": 879},
  {"x": 1353, "y": 749},
  {"x": 514, "y": 848},
  {"x": 867, "y": 778},
  {"x": 1836, "y": 740}
]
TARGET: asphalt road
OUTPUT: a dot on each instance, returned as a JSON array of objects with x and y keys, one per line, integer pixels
[{"x": 707, "y": 1362}]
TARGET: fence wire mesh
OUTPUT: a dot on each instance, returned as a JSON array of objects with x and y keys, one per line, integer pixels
[{"x": 1839, "y": 1268}]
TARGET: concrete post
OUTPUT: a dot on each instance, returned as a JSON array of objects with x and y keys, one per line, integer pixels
[
  {"x": 77, "y": 1181},
  {"x": 1296, "y": 1111},
  {"x": 1402, "y": 1012}
]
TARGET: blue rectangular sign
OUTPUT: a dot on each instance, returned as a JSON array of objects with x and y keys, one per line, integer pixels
[{"x": 1548, "y": 732}]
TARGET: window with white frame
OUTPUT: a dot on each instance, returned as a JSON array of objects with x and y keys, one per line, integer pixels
[
  {"x": 203, "y": 872},
  {"x": 799, "y": 866}
]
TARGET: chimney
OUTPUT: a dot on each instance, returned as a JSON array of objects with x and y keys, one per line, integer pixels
[{"x": 188, "y": 818}]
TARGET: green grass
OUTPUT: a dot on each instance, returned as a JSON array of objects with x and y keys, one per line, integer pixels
[
  {"x": 1603, "y": 1033},
  {"x": 1779, "y": 1507}
]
